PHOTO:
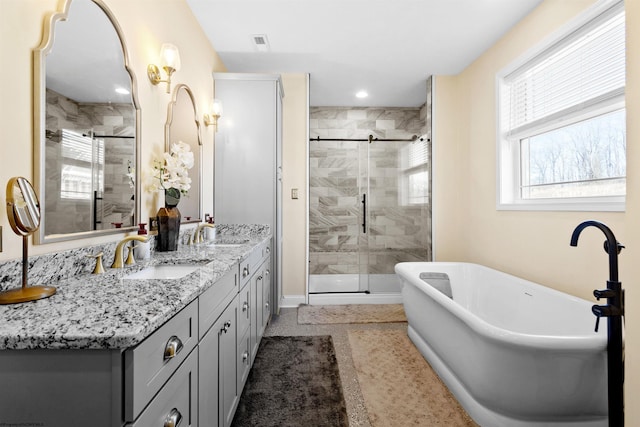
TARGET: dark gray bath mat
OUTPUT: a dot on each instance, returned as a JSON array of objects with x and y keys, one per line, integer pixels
[{"x": 294, "y": 382}]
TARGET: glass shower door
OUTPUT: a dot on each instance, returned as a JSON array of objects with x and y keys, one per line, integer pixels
[
  {"x": 336, "y": 216},
  {"x": 368, "y": 210},
  {"x": 397, "y": 210}
]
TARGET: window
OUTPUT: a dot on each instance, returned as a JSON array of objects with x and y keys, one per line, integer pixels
[
  {"x": 79, "y": 153},
  {"x": 414, "y": 176},
  {"x": 561, "y": 133}
]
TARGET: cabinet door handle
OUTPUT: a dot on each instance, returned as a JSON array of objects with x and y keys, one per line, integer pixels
[
  {"x": 260, "y": 277},
  {"x": 226, "y": 326},
  {"x": 245, "y": 271},
  {"x": 245, "y": 357},
  {"x": 267, "y": 272},
  {"x": 245, "y": 306},
  {"x": 173, "y": 347},
  {"x": 266, "y": 306},
  {"x": 173, "y": 419},
  {"x": 268, "y": 249}
]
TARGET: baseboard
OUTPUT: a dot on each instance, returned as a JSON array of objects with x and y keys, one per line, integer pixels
[
  {"x": 289, "y": 301},
  {"x": 341, "y": 299}
]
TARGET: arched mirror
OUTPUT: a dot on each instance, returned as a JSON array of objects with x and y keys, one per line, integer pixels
[
  {"x": 86, "y": 125},
  {"x": 183, "y": 125}
]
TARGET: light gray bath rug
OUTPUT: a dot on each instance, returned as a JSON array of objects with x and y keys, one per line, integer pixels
[{"x": 350, "y": 313}]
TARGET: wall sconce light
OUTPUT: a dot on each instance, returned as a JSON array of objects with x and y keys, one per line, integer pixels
[
  {"x": 170, "y": 58},
  {"x": 215, "y": 111}
]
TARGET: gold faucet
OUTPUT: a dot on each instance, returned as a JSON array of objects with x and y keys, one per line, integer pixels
[
  {"x": 117, "y": 258},
  {"x": 99, "y": 268},
  {"x": 197, "y": 235}
]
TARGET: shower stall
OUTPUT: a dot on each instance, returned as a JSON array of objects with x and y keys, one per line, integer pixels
[
  {"x": 369, "y": 201},
  {"x": 93, "y": 191}
]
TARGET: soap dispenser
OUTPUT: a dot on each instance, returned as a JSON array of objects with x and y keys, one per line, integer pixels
[
  {"x": 142, "y": 251},
  {"x": 209, "y": 232}
]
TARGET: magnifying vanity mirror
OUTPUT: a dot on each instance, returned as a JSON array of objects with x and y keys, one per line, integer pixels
[
  {"x": 86, "y": 125},
  {"x": 23, "y": 211},
  {"x": 183, "y": 125}
]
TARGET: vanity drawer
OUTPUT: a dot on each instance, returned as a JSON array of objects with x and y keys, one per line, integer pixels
[
  {"x": 250, "y": 264},
  {"x": 149, "y": 365},
  {"x": 214, "y": 300},
  {"x": 176, "y": 401},
  {"x": 266, "y": 250}
]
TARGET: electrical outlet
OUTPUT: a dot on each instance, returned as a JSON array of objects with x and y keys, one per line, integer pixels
[{"x": 294, "y": 193}]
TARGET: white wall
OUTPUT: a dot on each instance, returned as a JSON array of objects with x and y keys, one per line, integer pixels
[
  {"x": 533, "y": 245},
  {"x": 294, "y": 175}
]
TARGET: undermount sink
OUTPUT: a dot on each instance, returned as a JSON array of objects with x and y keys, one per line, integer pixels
[
  {"x": 228, "y": 241},
  {"x": 165, "y": 271}
]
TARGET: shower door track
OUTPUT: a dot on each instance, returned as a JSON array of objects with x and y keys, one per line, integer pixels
[
  {"x": 372, "y": 139},
  {"x": 340, "y": 292}
]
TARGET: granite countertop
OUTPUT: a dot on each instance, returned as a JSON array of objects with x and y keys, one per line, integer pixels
[{"x": 106, "y": 311}]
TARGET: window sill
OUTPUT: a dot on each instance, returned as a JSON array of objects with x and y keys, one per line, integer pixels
[{"x": 579, "y": 205}]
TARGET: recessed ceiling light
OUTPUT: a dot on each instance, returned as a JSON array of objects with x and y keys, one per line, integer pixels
[
  {"x": 122, "y": 91},
  {"x": 362, "y": 94}
]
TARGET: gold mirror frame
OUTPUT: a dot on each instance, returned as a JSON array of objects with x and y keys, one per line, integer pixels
[
  {"x": 23, "y": 208},
  {"x": 39, "y": 121},
  {"x": 23, "y": 211},
  {"x": 197, "y": 167}
]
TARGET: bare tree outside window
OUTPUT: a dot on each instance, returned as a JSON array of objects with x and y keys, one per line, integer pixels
[{"x": 585, "y": 159}]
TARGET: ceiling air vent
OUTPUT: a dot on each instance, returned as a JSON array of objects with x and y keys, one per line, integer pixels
[{"x": 260, "y": 42}]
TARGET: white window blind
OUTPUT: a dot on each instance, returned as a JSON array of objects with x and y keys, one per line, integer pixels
[
  {"x": 414, "y": 176},
  {"x": 583, "y": 70},
  {"x": 415, "y": 154},
  {"x": 81, "y": 166}
]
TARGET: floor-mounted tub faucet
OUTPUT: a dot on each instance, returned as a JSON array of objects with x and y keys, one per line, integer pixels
[{"x": 613, "y": 311}]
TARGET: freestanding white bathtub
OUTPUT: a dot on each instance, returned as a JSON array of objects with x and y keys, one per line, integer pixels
[{"x": 514, "y": 353}]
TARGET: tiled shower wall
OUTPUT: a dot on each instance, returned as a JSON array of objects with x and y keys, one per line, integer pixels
[
  {"x": 339, "y": 173},
  {"x": 68, "y": 215}
]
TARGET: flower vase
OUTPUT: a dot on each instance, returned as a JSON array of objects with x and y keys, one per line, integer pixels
[{"x": 169, "y": 222}]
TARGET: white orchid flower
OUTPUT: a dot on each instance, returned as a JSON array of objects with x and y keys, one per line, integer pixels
[{"x": 173, "y": 172}]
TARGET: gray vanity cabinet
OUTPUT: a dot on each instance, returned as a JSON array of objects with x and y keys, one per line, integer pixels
[
  {"x": 149, "y": 365},
  {"x": 256, "y": 313},
  {"x": 229, "y": 393},
  {"x": 266, "y": 297},
  {"x": 253, "y": 103},
  {"x": 254, "y": 272},
  {"x": 217, "y": 388},
  {"x": 244, "y": 334},
  {"x": 176, "y": 403},
  {"x": 218, "y": 392},
  {"x": 261, "y": 312},
  {"x": 225, "y": 349},
  {"x": 107, "y": 388},
  {"x": 190, "y": 371},
  {"x": 61, "y": 388}
]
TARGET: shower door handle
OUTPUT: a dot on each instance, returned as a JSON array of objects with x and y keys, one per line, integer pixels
[{"x": 364, "y": 213}]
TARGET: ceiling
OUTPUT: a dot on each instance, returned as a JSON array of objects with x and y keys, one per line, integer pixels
[{"x": 387, "y": 48}]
